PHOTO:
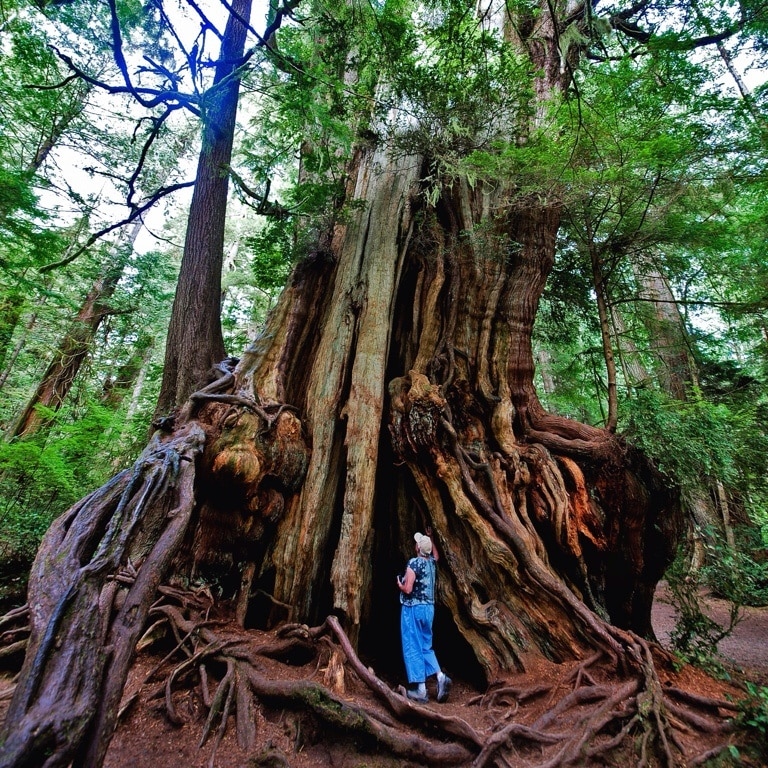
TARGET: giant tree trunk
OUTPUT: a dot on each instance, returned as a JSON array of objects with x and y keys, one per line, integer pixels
[
  {"x": 391, "y": 389},
  {"x": 428, "y": 333}
]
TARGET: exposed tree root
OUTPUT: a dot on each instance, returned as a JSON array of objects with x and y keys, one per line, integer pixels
[
  {"x": 88, "y": 605},
  {"x": 571, "y": 722},
  {"x": 96, "y": 581},
  {"x": 14, "y": 633}
]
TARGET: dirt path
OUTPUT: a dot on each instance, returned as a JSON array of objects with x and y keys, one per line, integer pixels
[{"x": 746, "y": 647}]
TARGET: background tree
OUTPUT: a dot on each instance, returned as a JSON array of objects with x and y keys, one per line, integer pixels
[{"x": 71, "y": 352}]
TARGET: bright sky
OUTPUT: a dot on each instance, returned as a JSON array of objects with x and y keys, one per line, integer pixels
[{"x": 105, "y": 108}]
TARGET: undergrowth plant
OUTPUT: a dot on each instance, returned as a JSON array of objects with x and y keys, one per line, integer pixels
[
  {"x": 753, "y": 721},
  {"x": 695, "y": 636},
  {"x": 737, "y": 574}
]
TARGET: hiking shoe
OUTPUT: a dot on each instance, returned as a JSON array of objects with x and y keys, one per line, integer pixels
[
  {"x": 443, "y": 688},
  {"x": 414, "y": 695}
]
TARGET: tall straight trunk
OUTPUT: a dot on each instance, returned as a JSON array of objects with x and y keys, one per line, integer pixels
[
  {"x": 678, "y": 376},
  {"x": 195, "y": 342},
  {"x": 601, "y": 295},
  {"x": 635, "y": 372}
]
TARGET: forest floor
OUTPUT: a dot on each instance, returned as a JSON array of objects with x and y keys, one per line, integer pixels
[{"x": 146, "y": 739}]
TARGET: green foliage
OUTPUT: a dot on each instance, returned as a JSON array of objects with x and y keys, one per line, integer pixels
[
  {"x": 271, "y": 247},
  {"x": 688, "y": 440},
  {"x": 733, "y": 574},
  {"x": 36, "y": 483},
  {"x": 753, "y": 720},
  {"x": 466, "y": 86},
  {"x": 695, "y": 636},
  {"x": 738, "y": 574}
]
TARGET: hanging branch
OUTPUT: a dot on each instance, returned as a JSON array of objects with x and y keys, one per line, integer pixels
[{"x": 135, "y": 214}]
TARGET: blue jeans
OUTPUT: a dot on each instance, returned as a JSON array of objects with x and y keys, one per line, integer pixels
[{"x": 416, "y": 634}]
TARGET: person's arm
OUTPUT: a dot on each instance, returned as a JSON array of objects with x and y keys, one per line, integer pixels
[
  {"x": 435, "y": 553},
  {"x": 406, "y": 584}
]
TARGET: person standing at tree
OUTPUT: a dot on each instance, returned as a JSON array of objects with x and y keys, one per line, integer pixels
[{"x": 417, "y": 598}]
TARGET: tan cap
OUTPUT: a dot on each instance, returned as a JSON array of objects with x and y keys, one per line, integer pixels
[{"x": 424, "y": 543}]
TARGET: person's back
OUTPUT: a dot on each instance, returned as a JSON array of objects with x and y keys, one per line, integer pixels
[{"x": 417, "y": 598}]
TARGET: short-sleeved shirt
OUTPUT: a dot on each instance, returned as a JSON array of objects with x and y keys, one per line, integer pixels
[{"x": 423, "y": 592}]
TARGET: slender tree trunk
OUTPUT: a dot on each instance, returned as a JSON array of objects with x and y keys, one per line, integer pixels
[
  {"x": 544, "y": 366},
  {"x": 20, "y": 342},
  {"x": 12, "y": 305},
  {"x": 677, "y": 369},
  {"x": 75, "y": 346},
  {"x": 678, "y": 377},
  {"x": 601, "y": 293},
  {"x": 635, "y": 373},
  {"x": 119, "y": 383},
  {"x": 11, "y": 308},
  {"x": 195, "y": 342}
]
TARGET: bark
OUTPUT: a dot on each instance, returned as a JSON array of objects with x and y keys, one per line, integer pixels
[
  {"x": 87, "y": 598},
  {"x": 601, "y": 295},
  {"x": 676, "y": 368},
  {"x": 635, "y": 372},
  {"x": 195, "y": 343},
  {"x": 678, "y": 375},
  {"x": 515, "y": 495},
  {"x": 117, "y": 386}
]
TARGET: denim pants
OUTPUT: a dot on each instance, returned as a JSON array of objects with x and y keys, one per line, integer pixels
[{"x": 416, "y": 633}]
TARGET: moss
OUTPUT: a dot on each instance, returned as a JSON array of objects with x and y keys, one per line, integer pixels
[{"x": 333, "y": 711}]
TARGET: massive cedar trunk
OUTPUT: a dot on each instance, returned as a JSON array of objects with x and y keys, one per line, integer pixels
[
  {"x": 391, "y": 389},
  {"x": 427, "y": 332}
]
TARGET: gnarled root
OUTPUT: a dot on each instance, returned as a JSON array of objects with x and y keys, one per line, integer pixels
[
  {"x": 89, "y": 601},
  {"x": 576, "y": 720}
]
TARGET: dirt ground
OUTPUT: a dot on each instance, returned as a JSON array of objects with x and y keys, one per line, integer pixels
[
  {"x": 746, "y": 648},
  {"x": 146, "y": 739}
]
